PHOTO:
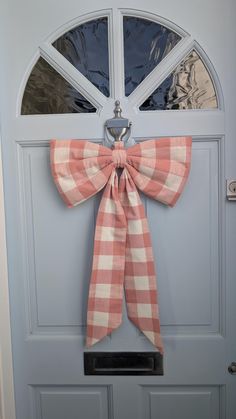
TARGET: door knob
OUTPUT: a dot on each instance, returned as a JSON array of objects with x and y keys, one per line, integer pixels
[
  {"x": 231, "y": 189},
  {"x": 232, "y": 368}
]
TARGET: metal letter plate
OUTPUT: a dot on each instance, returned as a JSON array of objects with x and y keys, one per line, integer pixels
[{"x": 123, "y": 363}]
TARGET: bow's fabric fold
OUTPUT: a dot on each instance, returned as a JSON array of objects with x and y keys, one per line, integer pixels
[{"x": 123, "y": 257}]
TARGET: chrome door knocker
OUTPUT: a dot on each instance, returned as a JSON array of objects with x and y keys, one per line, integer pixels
[{"x": 118, "y": 128}]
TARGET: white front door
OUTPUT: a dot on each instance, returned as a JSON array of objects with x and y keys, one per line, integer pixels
[{"x": 173, "y": 70}]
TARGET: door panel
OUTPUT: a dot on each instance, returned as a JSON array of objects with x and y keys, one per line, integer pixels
[
  {"x": 192, "y": 236},
  {"x": 59, "y": 242},
  {"x": 180, "y": 402},
  {"x": 50, "y": 246},
  {"x": 60, "y": 402},
  {"x": 59, "y": 249}
]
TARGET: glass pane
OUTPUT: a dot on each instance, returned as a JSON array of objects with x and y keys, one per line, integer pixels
[
  {"x": 48, "y": 92},
  {"x": 86, "y": 47},
  {"x": 146, "y": 43},
  {"x": 189, "y": 86}
]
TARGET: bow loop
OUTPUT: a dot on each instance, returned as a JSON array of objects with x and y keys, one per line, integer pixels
[
  {"x": 80, "y": 169},
  {"x": 160, "y": 167}
]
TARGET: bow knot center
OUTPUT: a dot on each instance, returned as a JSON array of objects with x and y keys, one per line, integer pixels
[{"x": 119, "y": 155}]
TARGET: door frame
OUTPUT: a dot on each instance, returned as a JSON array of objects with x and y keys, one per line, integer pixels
[
  {"x": 7, "y": 400},
  {"x": 7, "y": 405}
]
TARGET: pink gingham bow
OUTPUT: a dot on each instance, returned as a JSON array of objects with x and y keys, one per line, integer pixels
[{"x": 123, "y": 256}]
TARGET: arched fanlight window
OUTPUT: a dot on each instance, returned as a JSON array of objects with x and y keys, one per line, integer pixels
[{"x": 145, "y": 45}]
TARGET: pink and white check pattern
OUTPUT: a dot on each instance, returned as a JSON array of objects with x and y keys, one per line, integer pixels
[{"x": 123, "y": 257}]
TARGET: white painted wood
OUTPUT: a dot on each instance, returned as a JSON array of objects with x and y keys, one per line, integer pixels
[
  {"x": 92, "y": 126},
  {"x": 117, "y": 54},
  {"x": 7, "y": 402}
]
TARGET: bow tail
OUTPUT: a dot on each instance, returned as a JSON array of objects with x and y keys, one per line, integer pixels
[
  {"x": 104, "y": 312},
  {"x": 140, "y": 280}
]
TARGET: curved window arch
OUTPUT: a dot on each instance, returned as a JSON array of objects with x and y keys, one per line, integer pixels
[{"x": 146, "y": 45}]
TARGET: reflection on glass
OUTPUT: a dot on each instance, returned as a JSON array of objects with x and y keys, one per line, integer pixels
[
  {"x": 146, "y": 43},
  {"x": 189, "y": 86},
  {"x": 48, "y": 92},
  {"x": 86, "y": 47}
]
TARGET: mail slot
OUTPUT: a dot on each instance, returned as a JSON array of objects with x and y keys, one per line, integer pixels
[{"x": 123, "y": 363}]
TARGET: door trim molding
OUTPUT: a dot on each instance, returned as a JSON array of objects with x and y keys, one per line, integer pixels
[{"x": 7, "y": 400}]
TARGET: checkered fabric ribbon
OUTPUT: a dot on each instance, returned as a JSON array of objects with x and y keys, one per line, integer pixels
[{"x": 123, "y": 257}]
